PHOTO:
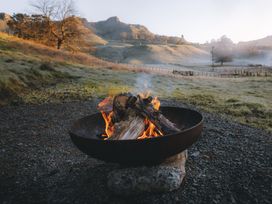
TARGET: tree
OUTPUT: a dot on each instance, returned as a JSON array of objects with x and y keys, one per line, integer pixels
[
  {"x": 18, "y": 25},
  {"x": 223, "y": 57},
  {"x": 222, "y": 50},
  {"x": 54, "y": 24},
  {"x": 28, "y": 27},
  {"x": 64, "y": 28}
]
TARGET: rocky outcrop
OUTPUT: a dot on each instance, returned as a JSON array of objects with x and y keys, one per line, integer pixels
[{"x": 114, "y": 29}]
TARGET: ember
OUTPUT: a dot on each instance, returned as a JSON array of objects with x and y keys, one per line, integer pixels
[{"x": 134, "y": 117}]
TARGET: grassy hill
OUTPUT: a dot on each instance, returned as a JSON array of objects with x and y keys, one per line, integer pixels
[
  {"x": 114, "y": 29},
  {"x": 263, "y": 42},
  {"x": 26, "y": 66},
  {"x": 135, "y": 44},
  {"x": 149, "y": 53}
]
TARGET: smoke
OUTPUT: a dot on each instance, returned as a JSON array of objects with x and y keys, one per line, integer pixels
[
  {"x": 153, "y": 85},
  {"x": 143, "y": 84}
]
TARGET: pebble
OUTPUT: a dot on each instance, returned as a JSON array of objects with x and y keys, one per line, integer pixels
[{"x": 244, "y": 158}]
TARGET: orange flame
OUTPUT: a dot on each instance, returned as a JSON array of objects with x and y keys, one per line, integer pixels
[
  {"x": 150, "y": 130},
  {"x": 109, "y": 129},
  {"x": 156, "y": 103}
]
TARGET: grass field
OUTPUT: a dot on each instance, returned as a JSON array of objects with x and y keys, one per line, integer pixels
[
  {"x": 246, "y": 100},
  {"x": 32, "y": 73}
]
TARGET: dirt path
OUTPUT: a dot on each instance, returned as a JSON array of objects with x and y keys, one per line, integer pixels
[{"x": 231, "y": 163}]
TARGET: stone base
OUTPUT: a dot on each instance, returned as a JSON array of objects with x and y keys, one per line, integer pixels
[{"x": 165, "y": 177}]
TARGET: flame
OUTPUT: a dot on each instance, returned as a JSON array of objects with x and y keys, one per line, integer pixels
[
  {"x": 156, "y": 103},
  {"x": 150, "y": 130},
  {"x": 109, "y": 127},
  {"x": 105, "y": 108},
  {"x": 103, "y": 105},
  {"x": 104, "y": 102}
]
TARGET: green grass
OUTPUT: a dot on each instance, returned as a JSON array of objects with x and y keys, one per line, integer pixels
[
  {"x": 25, "y": 81},
  {"x": 221, "y": 99},
  {"x": 229, "y": 97},
  {"x": 19, "y": 75},
  {"x": 33, "y": 79}
]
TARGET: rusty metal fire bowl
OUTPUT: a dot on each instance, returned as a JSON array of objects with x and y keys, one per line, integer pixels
[{"x": 84, "y": 134}]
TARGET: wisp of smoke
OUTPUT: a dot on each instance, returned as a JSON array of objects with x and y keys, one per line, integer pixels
[{"x": 143, "y": 84}]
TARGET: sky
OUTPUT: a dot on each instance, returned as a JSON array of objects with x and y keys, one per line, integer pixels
[{"x": 198, "y": 20}]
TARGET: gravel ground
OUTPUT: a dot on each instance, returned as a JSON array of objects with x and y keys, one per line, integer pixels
[{"x": 231, "y": 163}]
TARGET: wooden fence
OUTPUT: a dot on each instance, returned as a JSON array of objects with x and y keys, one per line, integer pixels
[
  {"x": 231, "y": 73},
  {"x": 250, "y": 71}
]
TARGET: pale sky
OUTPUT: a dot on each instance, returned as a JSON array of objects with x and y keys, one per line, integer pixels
[{"x": 197, "y": 20}]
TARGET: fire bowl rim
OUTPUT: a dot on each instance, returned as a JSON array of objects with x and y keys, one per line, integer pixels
[{"x": 71, "y": 133}]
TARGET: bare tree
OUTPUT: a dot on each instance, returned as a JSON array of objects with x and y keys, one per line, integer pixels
[
  {"x": 64, "y": 27},
  {"x": 45, "y": 7}
]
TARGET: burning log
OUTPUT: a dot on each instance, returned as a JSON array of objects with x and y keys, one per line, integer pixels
[
  {"x": 146, "y": 109},
  {"x": 129, "y": 130},
  {"x": 132, "y": 117},
  {"x": 120, "y": 108},
  {"x": 106, "y": 105}
]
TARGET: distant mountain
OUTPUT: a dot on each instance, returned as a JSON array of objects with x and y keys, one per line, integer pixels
[
  {"x": 263, "y": 42},
  {"x": 114, "y": 29}
]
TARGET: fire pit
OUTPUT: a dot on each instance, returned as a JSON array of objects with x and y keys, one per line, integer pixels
[{"x": 85, "y": 134}]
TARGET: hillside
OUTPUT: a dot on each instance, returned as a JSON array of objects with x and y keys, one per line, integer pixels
[
  {"x": 263, "y": 42},
  {"x": 148, "y": 53},
  {"x": 135, "y": 44},
  {"x": 130, "y": 43},
  {"x": 26, "y": 66},
  {"x": 95, "y": 40},
  {"x": 114, "y": 29}
]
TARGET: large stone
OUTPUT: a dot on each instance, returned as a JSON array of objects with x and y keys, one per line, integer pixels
[{"x": 165, "y": 177}]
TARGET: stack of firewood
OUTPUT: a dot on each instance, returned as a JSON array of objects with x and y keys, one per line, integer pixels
[{"x": 130, "y": 115}]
